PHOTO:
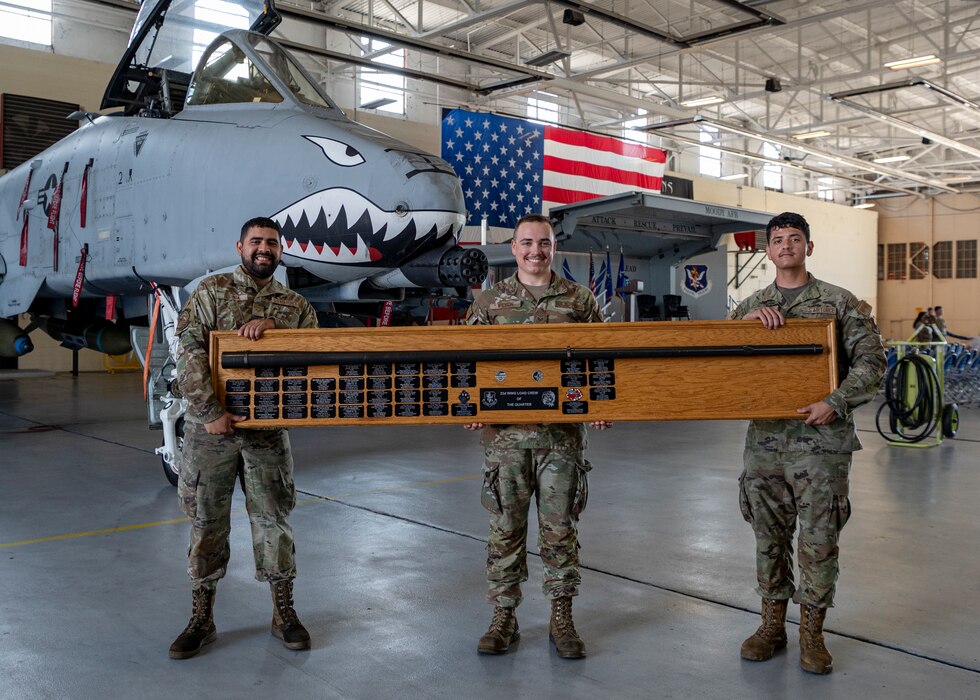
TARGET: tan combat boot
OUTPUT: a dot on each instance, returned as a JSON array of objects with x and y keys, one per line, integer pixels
[
  {"x": 563, "y": 635},
  {"x": 285, "y": 623},
  {"x": 200, "y": 630},
  {"x": 771, "y": 635},
  {"x": 503, "y": 632},
  {"x": 814, "y": 657}
]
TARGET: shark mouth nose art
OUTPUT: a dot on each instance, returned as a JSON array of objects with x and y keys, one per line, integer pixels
[{"x": 340, "y": 226}]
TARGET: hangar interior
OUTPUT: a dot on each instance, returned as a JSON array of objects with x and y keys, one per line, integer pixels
[
  {"x": 391, "y": 547},
  {"x": 862, "y": 116}
]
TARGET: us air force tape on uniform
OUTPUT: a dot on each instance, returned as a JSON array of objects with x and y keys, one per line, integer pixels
[{"x": 525, "y": 373}]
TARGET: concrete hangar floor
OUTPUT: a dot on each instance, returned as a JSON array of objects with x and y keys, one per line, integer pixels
[{"x": 391, "y": 545}]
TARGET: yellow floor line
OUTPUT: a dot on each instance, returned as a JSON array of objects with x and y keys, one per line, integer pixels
[{"x": 238, "y": 511}]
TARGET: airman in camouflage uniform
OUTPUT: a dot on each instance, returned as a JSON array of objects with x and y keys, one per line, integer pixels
[
  {"x": 251, "y": 301},
  {"x": 524, "y": 460},
  {"x": 798, "y": 469}
]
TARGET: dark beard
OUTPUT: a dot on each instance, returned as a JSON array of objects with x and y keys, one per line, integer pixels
[{"x": 260, "y": 271}]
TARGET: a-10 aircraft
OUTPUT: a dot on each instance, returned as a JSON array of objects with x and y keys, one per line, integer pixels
[{"x": 140, "y": 205}]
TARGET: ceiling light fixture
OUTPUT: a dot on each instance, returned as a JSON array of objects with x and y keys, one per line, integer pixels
[
  {"x": 864, "y": 205},
  {"x": 890, "y": 159},
  {"x": 835, "y": 158},
  {"x": 736, "y": 176},
  {"x": 958, "y": 178},
  {"x": 703, "y": 101},
  {"x": 547, "y": 57},
  {"x": 807, "y": 192},
  {"x": 915, "y": 62},
  {"x": 379, "y": 102},
  {"x": 811, "y": 135}
]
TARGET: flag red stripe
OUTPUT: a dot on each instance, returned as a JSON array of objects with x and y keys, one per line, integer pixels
[
  {"x": 562, "y": 196},
  {"x": 604, "y": 143},
  {"x": 604, "y": 173},
  {"x": 23, "y": 242}
]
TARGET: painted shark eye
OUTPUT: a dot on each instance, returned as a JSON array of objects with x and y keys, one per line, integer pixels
[{"x": 337, "y": 151}]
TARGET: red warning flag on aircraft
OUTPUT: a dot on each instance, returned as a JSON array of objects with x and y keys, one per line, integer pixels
[
  {"x": 83, "y": 204},
  {"x": 54, "y": 213},
  {"x": 23, "y": 196},
  {"x": 76, "y": 290}
]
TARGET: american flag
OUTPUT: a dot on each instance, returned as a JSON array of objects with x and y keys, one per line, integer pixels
[{"x": 510, "y": 167}]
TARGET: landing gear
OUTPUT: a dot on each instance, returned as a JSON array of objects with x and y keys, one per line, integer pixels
[{"x": 171, "y": 466}]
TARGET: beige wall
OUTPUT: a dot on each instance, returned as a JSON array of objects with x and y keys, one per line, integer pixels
[
  {"x": 911, "y": 220},
  {"x": 844, "y": 238}
]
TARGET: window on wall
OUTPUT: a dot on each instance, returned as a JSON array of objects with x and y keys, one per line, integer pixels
[
  {"x": 896, "y": 261},
  {"x": 772, "y": 175},
  {"x": 825, "y": 188},
  {"x": 709, "y": 161},
  {"x": 942, "y": 260},
  {"x": 543, "y": 109},
  {"x": 918, "y": 261},
  {"x": 966, "y": 258},
  {"x": 26, "y": 20},
  {"x": 632, "y": 124},
  {"x": 375, "y": 85},
  {"x": 881, "y": 261}
]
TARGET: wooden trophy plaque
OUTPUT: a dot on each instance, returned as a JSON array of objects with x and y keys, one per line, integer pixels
[{"x": 525, "y": 373}]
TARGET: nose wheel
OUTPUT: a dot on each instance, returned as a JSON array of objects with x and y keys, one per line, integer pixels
[{"x": 172, "y": 469}]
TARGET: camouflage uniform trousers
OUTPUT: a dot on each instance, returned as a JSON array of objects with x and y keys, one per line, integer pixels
[
  {"x": 777, "y": 489},
  {"x": 208, "y": 472},
  {"x": 558, "y": 478}
]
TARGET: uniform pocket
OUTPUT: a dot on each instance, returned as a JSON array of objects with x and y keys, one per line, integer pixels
[
  {"x": 581, "y": 499},
  {"x": 187, "y": 491},
  {"x": 743, "y": 500},
  {"x": 490, "y": 497}
]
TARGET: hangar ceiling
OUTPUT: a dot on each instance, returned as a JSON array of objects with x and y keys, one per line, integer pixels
[
  {"x": 810, "y": 79},
  {"x": 799, "y": 84}
]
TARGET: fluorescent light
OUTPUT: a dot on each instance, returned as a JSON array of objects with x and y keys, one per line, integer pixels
[
  {"x": 736, "y": 176},
  {"x": 670, "y": 124},
  {"x": 379, "y": 102},
  {"x": 547, "y": 57},
  {"x": 916, "y": 62},
  {"x": 703, "y": 101},
  {"x": 958, "y": 178},
  {"x": 865, "y": 205},
  {"x": 807, "y": 192},
  {"x": 890, "y": 159},
  {"x": 811, "y": 134}
]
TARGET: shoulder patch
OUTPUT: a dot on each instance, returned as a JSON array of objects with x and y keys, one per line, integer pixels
[
  {"x": 183, "y": 319},
  {"x": 864, "y": 308}
]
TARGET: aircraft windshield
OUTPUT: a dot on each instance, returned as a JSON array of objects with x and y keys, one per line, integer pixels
[
  {"x": 287, "y": 71},
  {"x": 190, "y": 26},
  {"x": 226, "y": 75}
]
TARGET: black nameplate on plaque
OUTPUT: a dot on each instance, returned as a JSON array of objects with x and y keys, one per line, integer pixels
[
  {"x": 295, "y": 399},
  {"x": 407, "y": 382},
  {"x": 435, "y": 409},
  {"x": 237, "y": 385},
  {"x": 575, "y": 408},
  {"x": 461, "y": 381},
  {"x": 464, "y": 409},
  {"x": 351, "y": 411},
  {"x": 266, "y": 399},
  {"x": 407, "y": 410},
  {"x": 602, "y": 379},
  {"x": 349, "y": 397},
  {"x": 519, "y": 399},
  {"x": 264, "y": 372},
  {"x": 239, "y": 411},
  {"x": 379, "y": 369},
  {"x": 294, "y": 385},
  {"x": 602, "y": 365},
  {"x": 351, "y": 384},
  {"x": 322, "y": 398},
  {"x": 379, "y": 383},
  {"x": 379, "y": 397},
  {"x": 435, "y": 395},
  {"x": 408, "y": 396},
  {"x": 379, "y": 410},
  {"x": 603, "y": 393},
  {"x": 407, "y": 368},
  {"x": 574, "y": 379},
  {"x": 572, "y": 366},
  {"x": 464, "y": 367},
  {"x": 323, "y": 412},
  {"x": 435, "y": 368},
  {"x": 323, "y": 384},
  {"x": 266, "y": 413},
  {"x": 294, "y": 412},
  {"x": 237, "y": 399},
  {"x": 294, "y": 371},
  {"x": 267, "y": 385},
  {"x": 435, "y": 381},
  {"x": 351, "y": 370}
]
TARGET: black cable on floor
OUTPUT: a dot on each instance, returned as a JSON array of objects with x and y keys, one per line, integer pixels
[{"x": 911, "y": 419}]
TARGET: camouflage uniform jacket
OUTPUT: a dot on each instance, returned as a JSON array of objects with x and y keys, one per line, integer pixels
[
  {"x": 226, "y": 302},
  {"x": 861, "y": 365},
  {"x": 509, "y": 301}
]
